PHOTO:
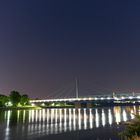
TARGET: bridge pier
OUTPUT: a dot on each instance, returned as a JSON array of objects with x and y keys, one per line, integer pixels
[
  {"x": 77, "y": 105},
  {"x": 89, "y": 105}
]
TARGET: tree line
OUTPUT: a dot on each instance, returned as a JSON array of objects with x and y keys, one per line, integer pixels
[{"x": 14, "y": 99}]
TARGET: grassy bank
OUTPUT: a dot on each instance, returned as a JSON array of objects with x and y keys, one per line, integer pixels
[{"x": 20, "y": 108}]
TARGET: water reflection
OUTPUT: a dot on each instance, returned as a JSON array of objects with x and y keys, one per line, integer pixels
[{"x": 54, "y": 121}]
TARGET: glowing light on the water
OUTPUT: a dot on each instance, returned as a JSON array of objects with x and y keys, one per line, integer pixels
[
  {"x": 56, "y": 116},
  {"x": 110, "y": 117},
  {"x": 18, "y": 113},
  {"x": 85, "y": 119},
  {"x": 74, "y": 119},
  {"x": 36, "y": 115},
  {"x": 91, "y": 118},
  {"x": 60, "y": 120},
  {"x": 70, "y": 117},
  {"x": 55, "y": 121},
  {"x": 48, "y": 116},
  {"x": 43, "y": 114},
  {"x": 117, "y": 112},
  {"x": 124, "y": 115},
  {"x": 7, "y": 130},
  {"x": 65, "y": 120},
  {"x": 40, "y": 115},
  {"x": 96, "y": 118},
  {"x": 103, "y": 117},
  {"x": 79, "y": 118},
  {"x": 24, "y": 116},
  {"x": 132, "y": 114}
]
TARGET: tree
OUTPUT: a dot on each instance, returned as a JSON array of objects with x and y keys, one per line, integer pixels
[
  {"x": 24, "y": 99},
  {"x": 3, "y": 100},
  {"x": 15, "y": 98}
]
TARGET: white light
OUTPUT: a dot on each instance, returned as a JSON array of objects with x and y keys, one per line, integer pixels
[
  {"x": 91, "y": 119},
  {"x": 108, "y": 98},
  {"x": 124, "y": 115},
  {"x": 96, "y": 98},
  {"x": 138, "y": 97},
  {"x": 97, "y": 118},
  {"x": 132, "y": 114},
  {"x": 117, "y": 112},
  {"x": 122, "y": 98},
  {"x": 102, "y": 98},
  {"x": 103, "y": 118},
  {"x": 85, "y": 119},
  {"x": 130, "y": 97},
  {"x": 110, "y": 117},
  {"x": 74, "y": 119},
  {"x": 116, "y": 98},
  {"x": 70, "y": 120},
  {"x": 79, "y": 119}
]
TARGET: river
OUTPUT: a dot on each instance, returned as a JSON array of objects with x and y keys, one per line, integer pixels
[{"x": 100, "y": 123}]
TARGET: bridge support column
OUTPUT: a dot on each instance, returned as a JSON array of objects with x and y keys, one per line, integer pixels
[
  {"x": 77, "y": 105},
  {"x": 89, "y": 105}
]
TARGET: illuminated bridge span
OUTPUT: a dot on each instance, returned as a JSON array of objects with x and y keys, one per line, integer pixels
[
  {"x": 62, "y": 98},
  {"x": 96, "y": 100}
]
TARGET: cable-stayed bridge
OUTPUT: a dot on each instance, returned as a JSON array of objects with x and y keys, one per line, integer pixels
[
  {"x": 70, "y": 95},
  {"x": 120, "y": 99}
]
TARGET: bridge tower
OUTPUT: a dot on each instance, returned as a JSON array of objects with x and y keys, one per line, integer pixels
[
  {"x": 77, "y": 89},
  {"x": 114, "y": 95},
  {"x": 133, "y": 94}
]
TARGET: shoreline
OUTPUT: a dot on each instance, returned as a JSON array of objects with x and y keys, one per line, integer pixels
[{"x": 21, "y": 108}]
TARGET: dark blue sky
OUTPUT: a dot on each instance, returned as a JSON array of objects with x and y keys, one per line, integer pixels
[{"x": 45, "y": 44}]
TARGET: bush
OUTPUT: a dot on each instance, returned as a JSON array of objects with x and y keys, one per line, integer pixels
[{"x": 132, "y": 131}]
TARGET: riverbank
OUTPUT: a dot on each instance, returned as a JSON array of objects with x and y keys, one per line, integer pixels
[{"x": 20, "y": 108}]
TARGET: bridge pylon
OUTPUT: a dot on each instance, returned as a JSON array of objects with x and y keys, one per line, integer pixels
[
  {"x": 114, "y": 95},
  {"x": 77, "y": 89}
]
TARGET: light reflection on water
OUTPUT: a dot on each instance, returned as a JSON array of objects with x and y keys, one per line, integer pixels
[{"x": 55, "y": 121}]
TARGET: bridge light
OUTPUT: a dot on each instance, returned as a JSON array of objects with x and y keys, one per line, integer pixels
[
  {"x": 102, "y": 98},
  {"x": 130, "y": 97},
  {"x": 122, "y": 98},
  {"x": 116, "y": 98},
  {"x": 68, "y": 99},
  {"x": 138, "y": 97},
  {"x": 96, "y": 98},
  {"x": 108, "y": 98}
]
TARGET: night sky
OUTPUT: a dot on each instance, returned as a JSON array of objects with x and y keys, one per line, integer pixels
[{"x": 45, "y": 44}]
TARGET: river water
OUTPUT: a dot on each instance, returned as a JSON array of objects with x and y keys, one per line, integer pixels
[{"x": 65, "y": 124}]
